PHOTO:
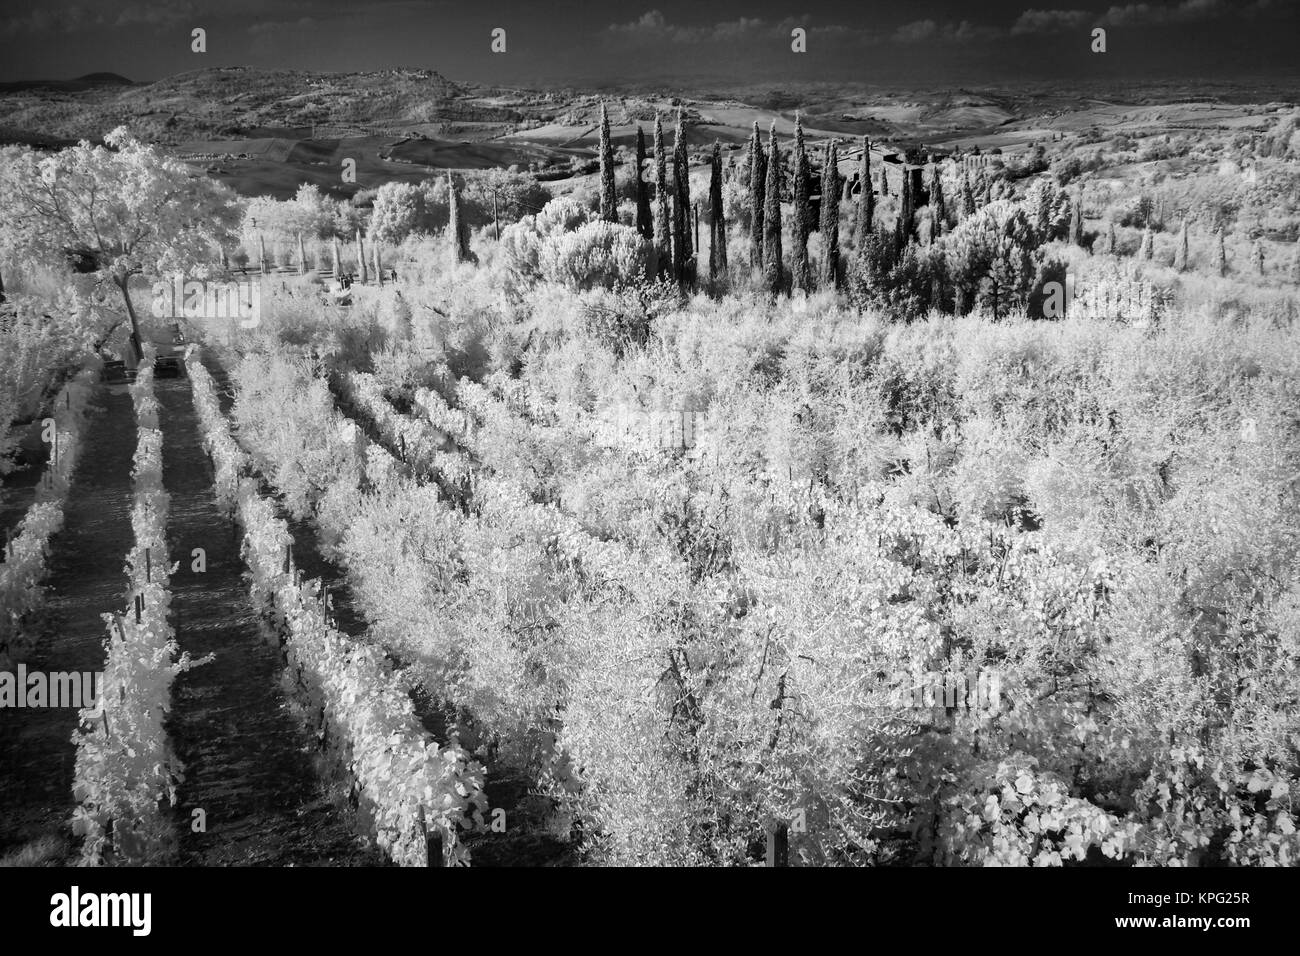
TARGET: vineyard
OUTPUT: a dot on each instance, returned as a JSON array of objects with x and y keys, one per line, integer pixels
[{"x": 558, "y": 550}]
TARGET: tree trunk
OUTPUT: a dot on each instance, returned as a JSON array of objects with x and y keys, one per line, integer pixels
[{"x": 135, "y": 325}]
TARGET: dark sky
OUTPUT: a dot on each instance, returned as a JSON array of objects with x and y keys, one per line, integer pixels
[{"x": 920, "y": 43}]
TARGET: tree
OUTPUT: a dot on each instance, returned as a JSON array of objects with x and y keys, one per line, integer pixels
[
  {"x": 1007, "y": 283},
  {"x": 396, "y": 212},
  {"x": 608, "y": 196},
  {"x": 866, "y": 199},
  {"x": 938, "y": 208},
  {"x": 457, "y": 232},
  {"x": 757, "y": 186},
  {"x": 663, "y": 224},
  {"x": 884, "y": 179},
  {"x": 1112, "y": 242},
  {"x": 495, "y": 196},
  {"x": 905, "y": 224},
  {"x": 1049, "y": 210},
  {"x": 773, "y": 270},
  {"x": 800, "y": 272},
  {"x": 967, "y": 197},
  {"x": 1257, "y": 257},
  {"x": 683, "y": 251},
  {"x": 1146, "y": 251},
  {"x": 1076, "y": 219},
  {"x": 1295, "y": 263},
  {"x": 1181, "y": 249},
  {"x": 126, "y": 208},
  {"x": 717, "y": 219},
  {"x": 988, "y": 259},
  {"x": 1220, "y": 254},
  {"x": 830, "y": 224},
  {"x": 644, "y": 220}
]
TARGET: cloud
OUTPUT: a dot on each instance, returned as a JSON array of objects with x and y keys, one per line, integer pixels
[
  {"x": 154, "y": 14},
  {"x": 924, "y": 31},
  {"x": 652, "y": 27},
  {"x": 275, "y": 26},
  {"x": 1050, "y": 21},
  {"x": 1189, "y": 11},
  {"x": 1035, "y": 21},
  {"x": 71, "y": 18},
  {"x": 916, "y": 31}
]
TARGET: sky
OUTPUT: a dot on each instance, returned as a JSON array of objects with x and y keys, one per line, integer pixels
[{"x": 919, "y": 43}]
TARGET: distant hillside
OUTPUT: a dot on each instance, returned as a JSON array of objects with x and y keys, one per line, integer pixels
[
  {"x": 235, "y": 101},
  {"x": 88, "y": 82}
]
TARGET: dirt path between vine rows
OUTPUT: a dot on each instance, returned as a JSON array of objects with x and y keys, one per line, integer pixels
[
  {"x": 251, "y": 763},
  {"x": 17, "y": 494},
  {"x": 87, "y": 578}
]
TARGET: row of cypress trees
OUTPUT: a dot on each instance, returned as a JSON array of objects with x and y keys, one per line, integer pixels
[
  {"x": 765, "y": 211},
  {"x": 668, "y": 222},
  {"x": 669, "y": 226}
]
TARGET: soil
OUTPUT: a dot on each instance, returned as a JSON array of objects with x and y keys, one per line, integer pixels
[{"x": 251, "y": 764}]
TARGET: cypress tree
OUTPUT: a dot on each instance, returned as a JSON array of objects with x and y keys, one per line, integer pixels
[
  {"x": 830, "y": 224},
  {"x": 773, "y": 279},
  {"x": 1076, "y": 219},
  {"x": 1295, "y": 263},
  {"x": 938, "y": 208},
  {"x": 608, "y": 195},
  {"x": 1147, "y": 249},
  {"x": 866, "y": 199},
  {"x": 1257, "y": 257},
  {"x": 663, "y": 225},
  {"x": 757, "y": 186},
  {"x": 1181, "y": 250},
  {"x": 1112, "y": 242},
  {"x": 1220, "y": 254},
  {"x": 644, "y": 219},
  {"x": 456, "y": 223},
  {"x": 967, "y": 197},
  {"x": 717, "y": 219},
  {"x": 800, "y": 273},
  {"x": 683, "y": 253},
  {"x": 884, "y": 179},
  {"x": 905, "y": 224}
]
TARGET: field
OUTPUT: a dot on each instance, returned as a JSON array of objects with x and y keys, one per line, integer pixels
[{"x": 952, "y": 520}]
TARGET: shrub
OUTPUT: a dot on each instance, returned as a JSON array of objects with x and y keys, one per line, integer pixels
[{"x": 597, "y": 254}]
